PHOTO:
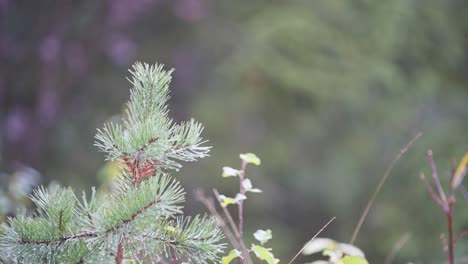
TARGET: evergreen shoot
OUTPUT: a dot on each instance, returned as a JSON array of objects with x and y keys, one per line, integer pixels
[{"x": 140, "y": 220}]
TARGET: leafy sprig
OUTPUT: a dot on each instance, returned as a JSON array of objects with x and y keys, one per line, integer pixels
[{"x": 235, "y": 232}]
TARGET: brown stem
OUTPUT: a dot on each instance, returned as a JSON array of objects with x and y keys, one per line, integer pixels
[
  {"x": 173, "y": 256},
  {"x": 236, "y": 231},
  {"x": 432, "y": 192},
  {"x": 119, "y": 256},
  {"x": 229, "y": 217},
  {"x": 380, "y": 184},
  {"x": 134, "y": 166},
  {"x": 435, "y": 177},
  {"x": 210, "y": 205},
  {"x": 445, "y": 204},
  {"x": 450, "y": 234}
]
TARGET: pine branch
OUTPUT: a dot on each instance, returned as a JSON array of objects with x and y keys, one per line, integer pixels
[
  {"x": 196, "y": 239},
  {"x": 160, "y": 189}
]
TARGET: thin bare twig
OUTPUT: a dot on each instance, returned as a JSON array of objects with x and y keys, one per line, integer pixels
[
  {"x": 397, "y": 247},
  {"x": 210, "y": 205},
  {"x": 435, "y": 177},
  {"x": 313, "y": 238},
  {"x": 236, "y": 231},
  {"x": 451, "y": 257},
  {"x": 445, "y": 204},
  {"x": 431, "y": 191},
  {"x": 228, "y": 216},
  {"x": 380, "y": 184}
]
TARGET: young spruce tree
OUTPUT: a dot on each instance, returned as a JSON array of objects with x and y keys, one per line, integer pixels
[{"x": 141, "y": 219}]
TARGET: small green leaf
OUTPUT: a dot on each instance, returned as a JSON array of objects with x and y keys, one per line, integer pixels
[
  {"x": 250, "y": 158},
  {"x": 263, "y": 235},
  {"x": 225, "y": 201},
  {"x": 232, "y": 255},
  {"x": 264, "y": 254},
  {"x": 247, "y": 184},
  {"x": 230, "y": 172},
  {"x": 354, "y": 260}
]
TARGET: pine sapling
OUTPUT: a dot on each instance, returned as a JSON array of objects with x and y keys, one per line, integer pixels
[{"x": 141, "y": 219}]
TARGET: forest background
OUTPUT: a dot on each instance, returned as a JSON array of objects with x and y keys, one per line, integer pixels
[{"x": 325, "y": 92}]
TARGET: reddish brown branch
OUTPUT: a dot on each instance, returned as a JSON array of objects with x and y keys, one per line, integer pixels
[
  {"x": 435, "y": 177},
  {"x": 176, "y": 148},
  {"x": 126, "y": 221},
  {"x": 451, "y": 258},
  {"x": 163, "y": 239},
  {"x": 445, "y": 204},
  {"x": 120, "y": 254},
  {"x": 58, "y": 240},
  {"x": 133, "y": 164},
  {"x": 208, "y": 202},
  {"x": 245, "y": 251},
  {"x": 145, "y": 146},
  {"x": 432, "y": 192}
]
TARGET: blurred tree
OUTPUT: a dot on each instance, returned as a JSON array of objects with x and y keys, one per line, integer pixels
[{"x": 328, "y": 91}]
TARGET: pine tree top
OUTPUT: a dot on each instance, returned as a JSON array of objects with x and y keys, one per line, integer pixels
[{"x": 147, "y": 134}]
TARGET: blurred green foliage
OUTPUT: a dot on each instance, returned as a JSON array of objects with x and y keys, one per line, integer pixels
[
  {"x": 15, "y": 191},
  {"x": 326, "y": 92}
]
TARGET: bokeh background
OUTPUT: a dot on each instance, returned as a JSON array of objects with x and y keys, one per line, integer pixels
[{"x": 325, "y": 92}]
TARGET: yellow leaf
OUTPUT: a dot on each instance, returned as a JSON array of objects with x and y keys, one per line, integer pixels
[
  {"x": 225, "y": 201},
  {"x": 264, "y": 254},
  {"x": 250, "y": 158},
  {"x": 232, "y": 255},
  {"x": 354, "y": 260},
  {"x": 460, "y": 172}
]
